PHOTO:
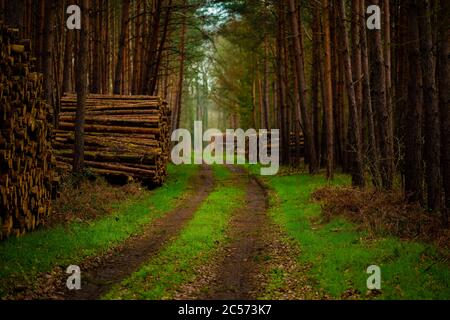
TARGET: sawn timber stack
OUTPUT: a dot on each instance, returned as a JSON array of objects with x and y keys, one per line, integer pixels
[
  {"x": 26, "y": 174},
  {"x": 125, "y": 136}
]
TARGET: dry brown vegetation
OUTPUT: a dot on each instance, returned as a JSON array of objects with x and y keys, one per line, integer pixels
[
  {"x": 90, "y": 199},
  {"x": 384, "y": 213}
]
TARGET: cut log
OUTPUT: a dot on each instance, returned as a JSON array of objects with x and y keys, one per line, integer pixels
[
  {"x": 26, "y": 166},
  {"x": 125, "y": 136}
]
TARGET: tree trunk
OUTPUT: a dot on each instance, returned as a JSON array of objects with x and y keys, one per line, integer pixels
[
  {"x": 119, "y": 63},
  {"x": 282, "y": 94},
  {"x": 328, "y": 103},
  {"x": 82, "y": 77},
  {"x": 155, "y": 64},
  {"x": 387, "y": 56},
  {"x": 413, "y": 130},
  {"x": 355, "y": 125},
  {"x": 177, "y": 116},
  {"x": 431, "y": 107},
  {"x": 266, "y": 84},
  {"x": 357, "y": 81},
  {"x": 307, "y": 126},
  {"x": 367, "y": 102},
  {"x": 444, "y": 103},
  {"x": 96, "y": 39},
  {"x": 315, "y": 77},
  {"x": 68, "y": 55},
  {"x": 47, "y": 56},
  {"x": 383, "y": 109},
  {"x": 151, "y": 48}
]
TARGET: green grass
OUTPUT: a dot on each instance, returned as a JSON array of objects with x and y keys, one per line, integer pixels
[
  {"x": 339, "y": 254},
  {"x": 23, "y": 258},
  {"x": 177, "y": 262}
]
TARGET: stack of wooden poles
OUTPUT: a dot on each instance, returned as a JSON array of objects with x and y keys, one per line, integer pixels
[
  {"x": 26, "y": 174},
  {"x": 125, "y": 136}
]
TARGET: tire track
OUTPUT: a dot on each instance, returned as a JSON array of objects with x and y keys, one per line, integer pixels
[
  {"x": 100, "y": 273},
  {"x": 236, "y": 277},
  {"x": 97, "y": 280}
]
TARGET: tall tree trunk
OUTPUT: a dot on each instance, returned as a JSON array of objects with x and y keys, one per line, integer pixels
[
  {"x": 328, "y": 90},
  {"x": 261, "y": 101},
  {"x": 356, "y": 56},
  {"x": 431, "y": 107},
  {"x": 383, "y": 109},
  {"x": 296, "y": 89},
  {"x": 254, "y": 113},
  {"x": 299, "y": 65},
  {"x": 444, "y": 103},
  {"x": 107, "y": 48},
  {"x": 96, "y": 39},
  {"x": 82, "y": 77},
  {"x": 177, "y": 116},
  {"x": 152, "y": 43},
  {"x": 139, "y": 20},
  {"x": 315, "y": 77},
  {"x": 119, "y": 63},
  {"x": 387, "y": 56},
  {"x": 355, "y": 125},
  {"x": 413, "y": 129},
  {"x": 282, "y": 94},
  {"x": 367, "y": 101},
  {"x": 47, "y": 56},
  {"x": 339, "y": 91},
  {"x": 266, "y": 84},
  {"x": 68, "y": 55},
  {"x": 356, "y": 72},
  {"x": 156, "y": 64}
]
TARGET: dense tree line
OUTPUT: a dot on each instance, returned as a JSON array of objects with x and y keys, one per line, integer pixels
[
  {"x": 372, "y": 102},
  {"x": 138, "y": 47}
]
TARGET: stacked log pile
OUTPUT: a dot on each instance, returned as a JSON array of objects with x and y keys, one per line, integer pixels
[
  {"x": 125, "y": 136},
  {"x": 296, "y": 144},
  {"x": 26, "y": 175}
]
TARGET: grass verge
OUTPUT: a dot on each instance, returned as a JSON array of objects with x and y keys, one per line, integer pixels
[
  {"x": 338, "y": 252},
  {"x": 177, "y": 262},
  {"x": 23, "y": 259}
]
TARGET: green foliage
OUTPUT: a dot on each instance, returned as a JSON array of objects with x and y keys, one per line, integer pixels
[{"x": 339, "y": 253}]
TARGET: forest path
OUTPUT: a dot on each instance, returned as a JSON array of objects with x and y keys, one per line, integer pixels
[
  {"x": 234, "y": 271},
  {"x": 99, "y": 276}
]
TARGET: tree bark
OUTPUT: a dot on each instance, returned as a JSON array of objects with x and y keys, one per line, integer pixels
[
  {"x": 177, "y": 113},
  {"x": 328, "y": 103},
  {"x": 413, "y": 130},
  {"x": 96, "y": 39},
  {"x": 355, "y": 125},
  {"x": 68, "y": 55},
  {"x": 47, "y": 56},
  {"x": 431, "y": 107},
  {"x": 119, "y": 63},
  {"x": 299, "y": 56},
  {"x": 156, "y": 64},
  {"x": 82, "y": 77},
  {"x": 383, "y": 109},
  {"x": 367, "y": 101},
  {"x": 316, "y": 77},
  {"x": 444, "y": 103},
  {"x": 266, "y": 84}
]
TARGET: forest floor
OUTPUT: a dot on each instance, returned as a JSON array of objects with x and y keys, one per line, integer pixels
[{"x": 218, "y": 232}]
